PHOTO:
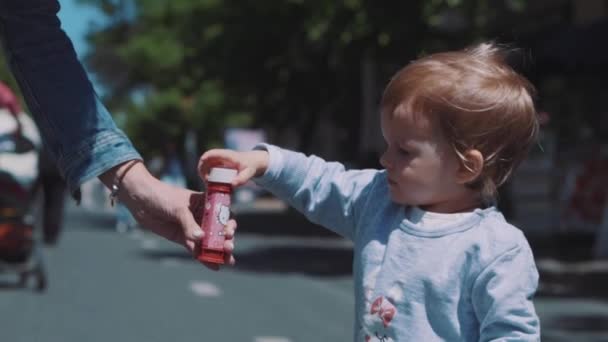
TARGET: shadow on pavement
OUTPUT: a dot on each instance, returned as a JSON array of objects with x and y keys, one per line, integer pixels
[
  {"x": 285, "y": 223},
  {"x": 313, "y": 261},
  {"x": 562, "y": 246},
  {"x": 87, "y": 219},
  {"x": 164, "y": 254},
  {"x": 583, "y": 323},
  {"x": 5, "y": 285},
  {"x": 289, "y": 222},
  {"x": 571, "y": 283},
  {"x": 14, "y": 285}
]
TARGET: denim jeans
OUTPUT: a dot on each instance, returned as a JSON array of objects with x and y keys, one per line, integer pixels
[{"x": 75, "y": 126}]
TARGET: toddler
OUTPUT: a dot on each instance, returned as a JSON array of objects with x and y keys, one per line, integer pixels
[{"x": 434, "y": 260}]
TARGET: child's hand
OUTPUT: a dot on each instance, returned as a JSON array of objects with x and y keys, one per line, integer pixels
[{"x": 249, "y": 164}]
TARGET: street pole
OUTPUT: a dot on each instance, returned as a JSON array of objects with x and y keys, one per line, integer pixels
[{"x": 600, "y": 249}]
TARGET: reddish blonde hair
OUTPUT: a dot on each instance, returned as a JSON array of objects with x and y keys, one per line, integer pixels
[{"x": 480, "y": 102}]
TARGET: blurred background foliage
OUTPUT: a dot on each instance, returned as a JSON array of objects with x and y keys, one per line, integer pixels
[
  {"x": 311, "y": 73},
  {"x": 169, "y": 69},
  {"x": 202, "y": 65}
]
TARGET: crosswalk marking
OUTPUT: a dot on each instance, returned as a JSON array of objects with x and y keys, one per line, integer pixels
[
  {"x": 271, "y": 339},
  {"x": 170, "y": 262},
  {"x": 136, "y": 234},
  {"x": 149, "y": 244},
  {"x": 205, "y": 289}
]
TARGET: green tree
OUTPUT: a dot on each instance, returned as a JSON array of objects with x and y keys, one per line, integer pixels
[{"x": 175, "y": 65}]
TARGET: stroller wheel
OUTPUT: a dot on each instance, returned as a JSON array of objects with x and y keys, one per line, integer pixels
[
  {"x": 23, "y": 277},
  {"x": 41, "y": 283}
]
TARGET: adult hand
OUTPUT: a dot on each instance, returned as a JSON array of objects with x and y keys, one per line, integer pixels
[{"x": 168, "y": 211}]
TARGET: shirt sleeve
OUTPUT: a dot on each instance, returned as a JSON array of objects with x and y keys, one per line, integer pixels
[
  {"x": 502, "y": 297},
  {"x": 323, "y": 191},
  {"x": 76, "y": 128}
]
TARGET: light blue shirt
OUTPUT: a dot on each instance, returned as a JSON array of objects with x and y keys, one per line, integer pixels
[
  {"x": 472, "y": 279},
  {"x": 76, "y": 128}
]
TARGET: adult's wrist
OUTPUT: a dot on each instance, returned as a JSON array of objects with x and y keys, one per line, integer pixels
[{"x": 122, "y": 178}]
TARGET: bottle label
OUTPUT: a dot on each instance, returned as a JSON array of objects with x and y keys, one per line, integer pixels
[{"x": 215, "y": 218}]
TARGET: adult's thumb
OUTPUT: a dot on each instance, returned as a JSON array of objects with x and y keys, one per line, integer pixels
[{"x": 192, "y": 231}]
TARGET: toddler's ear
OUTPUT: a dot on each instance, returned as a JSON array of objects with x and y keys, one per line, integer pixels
[{"x": 471, "y": 167}]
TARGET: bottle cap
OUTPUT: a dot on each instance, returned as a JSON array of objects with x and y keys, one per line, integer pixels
[{"x": 221, "y": 175}]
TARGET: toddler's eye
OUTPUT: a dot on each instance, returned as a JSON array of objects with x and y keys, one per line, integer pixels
[{"x": 403, "y": 151}]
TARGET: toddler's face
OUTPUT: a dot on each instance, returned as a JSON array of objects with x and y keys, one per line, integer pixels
[{"x": 420, "y": 163}]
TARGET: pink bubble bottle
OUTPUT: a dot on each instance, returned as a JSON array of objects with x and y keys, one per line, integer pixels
[{"x": 216, "y": 213}]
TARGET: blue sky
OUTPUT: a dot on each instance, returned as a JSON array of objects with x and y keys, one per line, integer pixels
[{"x": 76, "y": 20}]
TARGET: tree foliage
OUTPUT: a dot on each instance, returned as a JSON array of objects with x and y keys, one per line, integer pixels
[{"x": 175, "y": 65}]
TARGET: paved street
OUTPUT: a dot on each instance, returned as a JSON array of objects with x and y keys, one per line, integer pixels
[{"x": 105, "y": 286}]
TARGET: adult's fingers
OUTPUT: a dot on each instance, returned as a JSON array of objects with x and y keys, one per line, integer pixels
[
  {"x": 192, "y": 232},
  {"x": 229, "y": 229},
  {"x": 228, "y": 252},
  {"x": 228, "y": 246},
  {"x": 229, "y": 259}
]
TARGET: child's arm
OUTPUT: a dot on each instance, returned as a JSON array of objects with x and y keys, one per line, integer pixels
[
  {"x": 502, "y": 297},
  {"x": 323, "y": 191}
]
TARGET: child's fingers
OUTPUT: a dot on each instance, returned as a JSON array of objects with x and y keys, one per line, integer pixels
[
  {"x": 243, "y": 176},
  {"x": 217, "y": 157},
  {"x": 220, "y": 155},
  {"x": 214, "y": 153},
  {"x": 204, "y": 166}
]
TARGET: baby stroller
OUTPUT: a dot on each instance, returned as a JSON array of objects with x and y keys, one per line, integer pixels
[{"x": 19, "y": 154}]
